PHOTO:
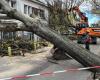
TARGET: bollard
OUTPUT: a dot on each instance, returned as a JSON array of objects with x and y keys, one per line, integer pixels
[
  {"x": 9, "y": 51},
  {"x": 35, "y": 47},
  {"x": 49, "y": 44}
]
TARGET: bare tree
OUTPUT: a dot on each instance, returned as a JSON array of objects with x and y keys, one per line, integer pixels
[
  {"x": 39, "y": 27},
  {"x": 57, "y": 15},
  {"x": 61, "y": 14},
  {"x": 96, "y": 4}
]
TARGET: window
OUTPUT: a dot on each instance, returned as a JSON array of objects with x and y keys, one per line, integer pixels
[
  {"x": 42, "y": 14},
  {"x": 35, "y": 11},
  {"x": 25, "y": 9},
  {"x": 29, "y": 10},
  {"x": 13, "y": 3},
  {"x": 0, "y": 7}
]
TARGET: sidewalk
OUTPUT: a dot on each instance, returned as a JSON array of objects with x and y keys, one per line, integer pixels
[{"x": 19, "y": 65}]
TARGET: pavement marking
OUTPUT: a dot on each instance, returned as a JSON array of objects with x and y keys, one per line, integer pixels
[{"x": 50, "y": 73}]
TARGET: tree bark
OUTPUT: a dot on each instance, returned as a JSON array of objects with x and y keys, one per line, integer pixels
[
  {"x": 6, "y": 27},
  {"x": 39, "y": 27}
]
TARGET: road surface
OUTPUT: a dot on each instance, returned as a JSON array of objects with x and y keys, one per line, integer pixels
[{"x": 71, "y": 75}]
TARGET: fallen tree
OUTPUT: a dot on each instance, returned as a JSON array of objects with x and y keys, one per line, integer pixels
[{"x": 40, "y": 28}]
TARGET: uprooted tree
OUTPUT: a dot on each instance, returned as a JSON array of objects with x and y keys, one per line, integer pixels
[{"x": 40, "y": 28}]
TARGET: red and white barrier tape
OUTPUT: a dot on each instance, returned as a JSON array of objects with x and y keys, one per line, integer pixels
[{"x": 50, "y": 73}]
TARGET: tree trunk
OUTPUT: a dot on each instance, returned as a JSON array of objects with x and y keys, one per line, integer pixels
[
  {"x": 59, "y": 54},
  {"x": 39, "y": 27}
]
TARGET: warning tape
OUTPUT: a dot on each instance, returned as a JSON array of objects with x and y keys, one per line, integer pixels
[{"x": 50, "y": 73}]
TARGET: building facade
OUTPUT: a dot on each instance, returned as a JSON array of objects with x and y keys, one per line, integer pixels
[{"x": 32, "y": 8}]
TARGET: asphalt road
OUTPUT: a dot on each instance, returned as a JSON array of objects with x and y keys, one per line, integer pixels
[{"x": 70, "y": 75}]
